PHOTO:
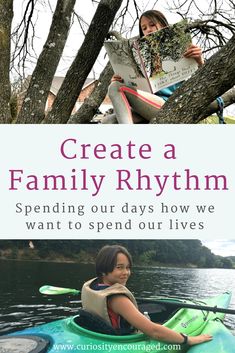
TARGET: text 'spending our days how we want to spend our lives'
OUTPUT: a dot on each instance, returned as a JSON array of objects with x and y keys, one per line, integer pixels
[{"x": 150, "y": 185}]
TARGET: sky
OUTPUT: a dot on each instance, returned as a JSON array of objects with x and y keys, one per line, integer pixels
[
  {"x": 86, "y": 10},
  {"x": 221, "y": 247}
]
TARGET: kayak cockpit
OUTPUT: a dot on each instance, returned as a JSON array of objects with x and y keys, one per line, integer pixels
[
  {"x": 93, "y": 323},
  {"x": 158, "y": 313}
]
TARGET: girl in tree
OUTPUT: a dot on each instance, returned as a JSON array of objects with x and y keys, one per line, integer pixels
[
  {"x": 108, "y": 297},
  {"x": 133, "y": 106}
]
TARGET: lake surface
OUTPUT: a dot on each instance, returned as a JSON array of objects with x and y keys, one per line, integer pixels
[{"x": 21, "y": 304}]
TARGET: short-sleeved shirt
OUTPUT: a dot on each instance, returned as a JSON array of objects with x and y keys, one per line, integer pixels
[{"x": 165, "y": 93}]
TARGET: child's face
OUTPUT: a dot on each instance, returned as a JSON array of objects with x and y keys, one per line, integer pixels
[
  {"x": 120, "y": 273},
  {"x": 148, "y": 26}
]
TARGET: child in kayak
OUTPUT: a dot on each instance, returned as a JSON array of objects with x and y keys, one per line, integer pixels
[
  {"x": 108, "y": 297},
  {"x": 133, "y": 106}
]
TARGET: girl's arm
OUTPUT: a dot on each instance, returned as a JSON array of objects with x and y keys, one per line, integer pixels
[
  {"x": 123, "y": 306},
  {"x": 195, "y": 52}
]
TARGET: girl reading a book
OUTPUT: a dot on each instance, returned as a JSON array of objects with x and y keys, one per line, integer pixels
[
  {"x": 108, "y": 297},
  {"x": 135, "y": 106}
]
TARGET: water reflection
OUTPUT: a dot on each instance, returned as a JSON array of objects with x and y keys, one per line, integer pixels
[{"x": 21, "y": 305}]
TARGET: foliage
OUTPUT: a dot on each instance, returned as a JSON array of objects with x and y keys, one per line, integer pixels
[
  {"x": 213, "y": 119},
  {"x": 147, "y": 257},
  {"x": 166, "y": 252}
]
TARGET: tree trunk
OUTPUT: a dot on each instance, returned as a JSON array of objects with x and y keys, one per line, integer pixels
[
  {"x": 84, "y": 61},
  {"x": 6, "y": 15},
  {"x": 33, "y": 107},
  {"x": 188, "y": 104},
  {"x": 92, "y": 103}
]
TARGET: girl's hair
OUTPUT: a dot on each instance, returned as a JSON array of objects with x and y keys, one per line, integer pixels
[
  {"x": 156, "y": 17},
  {"x": 106, "y": 259}
]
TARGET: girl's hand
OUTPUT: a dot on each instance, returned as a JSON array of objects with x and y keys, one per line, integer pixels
[
  {"x": 116, "y": 78},
  {"x": 195, "y": 52},
  {"x": 199, "y": 339}
]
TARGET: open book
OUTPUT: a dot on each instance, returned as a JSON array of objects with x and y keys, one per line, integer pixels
[{"x": 155, "y": 61}]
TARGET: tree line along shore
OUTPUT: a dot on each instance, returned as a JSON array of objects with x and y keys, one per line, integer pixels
[{"x": 178, "y": 253}]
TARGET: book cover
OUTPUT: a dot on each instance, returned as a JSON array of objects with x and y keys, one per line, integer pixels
[
  {"x": 155, "y": 61},
  {"x": 124, "y": 64}
]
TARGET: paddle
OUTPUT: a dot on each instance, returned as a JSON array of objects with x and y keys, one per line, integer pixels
[
  {"x": 180, "y": 305},
  {"x": 50, "y": 290}
]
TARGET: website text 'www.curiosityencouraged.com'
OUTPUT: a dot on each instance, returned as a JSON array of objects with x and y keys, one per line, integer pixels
[{"x": 108, "y": 347}]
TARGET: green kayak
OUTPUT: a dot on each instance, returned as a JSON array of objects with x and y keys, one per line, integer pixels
[{"x": 68, "y": 335}]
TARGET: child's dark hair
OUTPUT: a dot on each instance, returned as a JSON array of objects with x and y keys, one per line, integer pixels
[
  {"x": 156, "y": 17},
  {"x": 106, "y": 259}
]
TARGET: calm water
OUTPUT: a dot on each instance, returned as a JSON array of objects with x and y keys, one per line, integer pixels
[{"x": 21, "y": 305}]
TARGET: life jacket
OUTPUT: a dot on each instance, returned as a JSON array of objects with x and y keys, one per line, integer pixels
[
  {"x": 114, "y": 318},
  {"x": 95, "y": 301}
]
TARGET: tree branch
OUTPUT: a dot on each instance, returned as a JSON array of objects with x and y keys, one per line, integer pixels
[
  {"x": 228, "y": 98},
  {"x": 33, "y": 107},
  {"x": 6, "y": 15},
  {"x": 188, "y": 103},
  {"x": 92, "y": 103},
  {"x": 78, "y": 71}
]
